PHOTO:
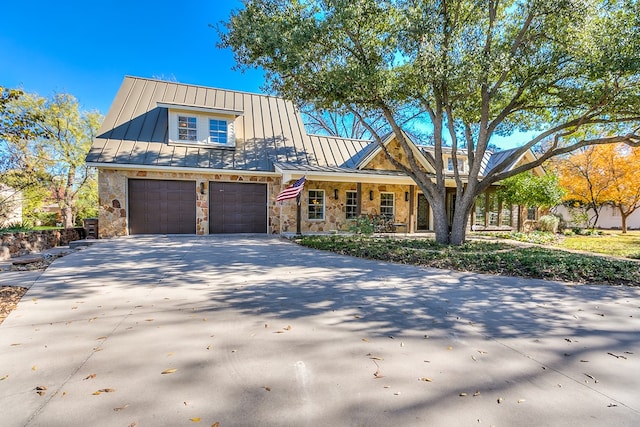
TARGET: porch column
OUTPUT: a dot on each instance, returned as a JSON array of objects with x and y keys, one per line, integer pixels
[
  {"x": 358, "y": 199},
  {"x": 412, "y": 214}
]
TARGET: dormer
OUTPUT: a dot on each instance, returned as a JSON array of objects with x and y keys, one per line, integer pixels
[{"x": 201, "y": 126}]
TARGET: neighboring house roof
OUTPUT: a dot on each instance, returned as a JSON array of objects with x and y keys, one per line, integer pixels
[{"x": 135, "y": 130}]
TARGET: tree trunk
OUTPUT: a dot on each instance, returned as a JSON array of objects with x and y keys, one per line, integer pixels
[
  {"x": 624, "y": 221},
  {"x": 440, "y": 223},
  {"x": 460, "y": 219}
]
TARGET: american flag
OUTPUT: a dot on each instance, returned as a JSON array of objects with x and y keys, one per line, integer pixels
[{"x": 292, "y": 191}]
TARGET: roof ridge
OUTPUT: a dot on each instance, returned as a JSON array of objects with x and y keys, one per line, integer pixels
[
  {"x": 151, "y": 79},
  {"x": 340, "y": 137}
]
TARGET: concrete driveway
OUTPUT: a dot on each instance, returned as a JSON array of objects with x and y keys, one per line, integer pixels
[{"x": 256, "y": 331}]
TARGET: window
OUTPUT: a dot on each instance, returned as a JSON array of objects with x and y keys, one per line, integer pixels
[
  {"x": 351, "y": 206},
  {"x": 505, "y": 215},
  {"x": 492, "y": 208},
  {"x": 217, "y": 131},
  {"x": 480, "y": 209},
  {"x": 450, "y": 165},
  {"x": 532, "y": 213},
  {"x": 316, "y": 204},
  {"x": 386, "y": 204},
  {"x": 187, "y": 128}
]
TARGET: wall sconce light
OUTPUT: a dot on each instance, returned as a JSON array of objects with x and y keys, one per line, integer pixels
[
  {"x": 202, "y": 188},
  {"x": 406, "y": 196},
  {"x": 335, "y": 193},
  {"x": 371, "y": 195}
]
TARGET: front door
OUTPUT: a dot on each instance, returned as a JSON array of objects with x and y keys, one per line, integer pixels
[{"x": 423, "y": 213}]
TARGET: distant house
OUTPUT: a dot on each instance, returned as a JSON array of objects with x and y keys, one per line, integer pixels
[
  {"x": 178, "y": 158},
  {"x": 608, "y": 218},
  {"x": 10, "y": 206}
]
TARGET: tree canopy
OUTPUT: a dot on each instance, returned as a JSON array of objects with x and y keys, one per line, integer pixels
[
  {"x": 43, "y": 143},
  {"x": 567, "y": 70},
  {"x": 603, "y": 175}
]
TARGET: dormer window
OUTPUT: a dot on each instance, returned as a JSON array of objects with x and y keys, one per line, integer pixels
[
  {"x": 187, "y": 128},
  {"x": 201, "y": 130},
  {"x": 218, "y": 131},
  {"x": 450, "y": 165}
]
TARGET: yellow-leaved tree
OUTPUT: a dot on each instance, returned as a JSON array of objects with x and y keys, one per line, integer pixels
[{"x": 602, "y": 175}]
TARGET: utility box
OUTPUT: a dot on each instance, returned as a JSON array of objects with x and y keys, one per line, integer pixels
[{"x": 91, "y": 228}]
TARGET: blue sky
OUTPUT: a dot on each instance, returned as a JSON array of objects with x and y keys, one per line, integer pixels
[{"x": 85, "y": 48}]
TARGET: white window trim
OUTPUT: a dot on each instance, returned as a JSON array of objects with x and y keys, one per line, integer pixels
[
  {"x": 393, "y": 207},
  {"x": 202, "y": 130},
  {"x": 461, "y": 161},
  {"x": 345, "y": 204},
  {"x": 324, "y": 204}
]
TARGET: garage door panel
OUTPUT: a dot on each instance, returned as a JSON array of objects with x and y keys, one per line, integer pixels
[
  {"x": 237, "y": 207},
  {"x": 162, "y": 207}
]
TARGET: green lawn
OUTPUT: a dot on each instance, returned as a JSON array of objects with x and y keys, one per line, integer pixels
[{"x": 613, "y": 242}]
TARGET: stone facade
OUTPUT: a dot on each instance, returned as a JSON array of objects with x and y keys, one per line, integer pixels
[
  {"x": 335, "y": 219},
  {"x": 112, "y": 191},
  {"x": 24, "y": 243}
]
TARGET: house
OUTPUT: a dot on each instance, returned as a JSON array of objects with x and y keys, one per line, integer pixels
[
  {"x": 608, "y": 218},
  {"x": 10, "y": 206},
  {"x": 179, "y": 158}
]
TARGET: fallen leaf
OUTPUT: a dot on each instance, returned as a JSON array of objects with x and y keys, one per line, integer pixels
[
  {"x": 279, "y": 332},
  {"x": 477, "y": 393},
  {"x": 169, "y": 371},
  {"x": 463, "y": 394},
  {"x": 378, "y": 374},
  {"x": 101, "y": 338},
  {"x": 41, "y": 387},
  {"x": 266, "y": 325},
  {"x": 449, "y": 348},
  {"x": 41, "y": 393},
  {"x": 521, "y": 400},
  {"x": 397, "y": 393},
  {"x": 216, "y": 424},
  {"x": 288, "y": 328},
  {"x": 425, "y": 379},
  {"x": 95, "y": 393},
  {"x": 474, "y": 358},
  {"x": 209, "y": 347},
  {"x": 267, "y": 388},
  {"x": 482, "y": 352},
  {"x": 4, "y": 377},
  {"x": 34, "y": 367},
  {"x": 365, "y": 340},
  {"x": 107, "y": 390},
  {"x": 148, "y": 320},
  {"x": 133, "y": 424},
  {"x": 64, "y": 393},
  {"x": 90, "y": 376},
  {"x": 195, "y": 420},
  {"x": 376, "y": 358},
  {"x": 611, "y": 405},
  {"x": 401, "y": 344},
  {"x": 500, "y": 400},
  {"x": 120, "y": 408}
]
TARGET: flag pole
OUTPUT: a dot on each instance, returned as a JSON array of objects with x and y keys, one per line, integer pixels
[{"x": 298, "y": 216}]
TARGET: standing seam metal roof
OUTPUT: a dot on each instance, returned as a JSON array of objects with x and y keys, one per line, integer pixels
[{"x": 135, "y": 131}]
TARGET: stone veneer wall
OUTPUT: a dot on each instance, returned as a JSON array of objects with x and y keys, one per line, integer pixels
[
  {"x": 335, "y": 211},
  {"x": 112, "y": 191},
  {"x": 23, "y": 243}
]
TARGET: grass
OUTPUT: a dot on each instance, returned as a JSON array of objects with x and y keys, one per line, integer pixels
[
  {"x": 486, "y": 257},
  {"x": 610, "y": 243}
]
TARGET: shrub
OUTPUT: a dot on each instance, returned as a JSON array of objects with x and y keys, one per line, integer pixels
[
  {"x": 362, "y": 225},
  {"x": 548, "y": 223}
]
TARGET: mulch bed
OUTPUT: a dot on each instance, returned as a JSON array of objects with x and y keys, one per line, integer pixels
[{"x": 9, "y": 297}]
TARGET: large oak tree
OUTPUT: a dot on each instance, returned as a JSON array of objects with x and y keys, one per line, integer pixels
[{"x": 564, "y": 69}]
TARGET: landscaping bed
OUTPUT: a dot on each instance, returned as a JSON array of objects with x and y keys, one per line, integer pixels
[{"x": 498, "y": 258}]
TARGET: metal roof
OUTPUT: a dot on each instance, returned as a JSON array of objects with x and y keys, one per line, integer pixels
[{"x": 268, "y": 129}]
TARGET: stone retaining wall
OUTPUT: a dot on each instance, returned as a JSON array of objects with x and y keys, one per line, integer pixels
[{"x": 24, "y": 243}]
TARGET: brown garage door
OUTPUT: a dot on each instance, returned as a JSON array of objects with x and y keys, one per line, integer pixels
[
  {"x": 237, "y": 207},
  {"x": 162, "y": 207}
]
